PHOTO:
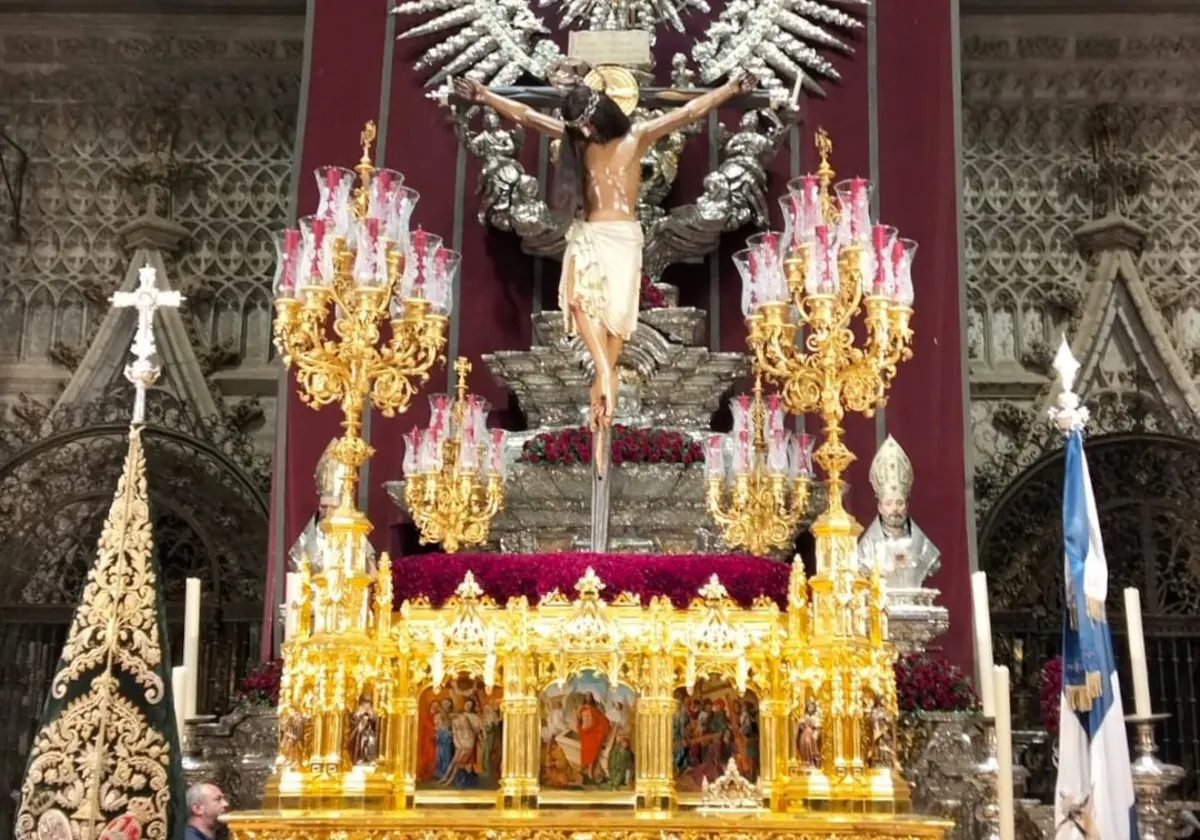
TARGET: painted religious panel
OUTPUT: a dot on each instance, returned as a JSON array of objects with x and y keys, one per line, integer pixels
[
  {"x": 459, "y": 736},
  {"x": 588, "y": 734},
  {"x": 710, "y": 726}
]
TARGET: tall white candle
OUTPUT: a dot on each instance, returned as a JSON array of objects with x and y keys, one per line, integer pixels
[
  {"x": 179, "y": 696},
  {"x": 191, "y": 644},
  {"x": 1137, "y": 652},
  {"x": 291, "y": 590},
  {"x": 983, "y": 641},
  {"x": 1004, "y": 755}
]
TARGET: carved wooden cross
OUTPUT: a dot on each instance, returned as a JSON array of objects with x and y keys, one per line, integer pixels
[{"x": 146, "y": 299}]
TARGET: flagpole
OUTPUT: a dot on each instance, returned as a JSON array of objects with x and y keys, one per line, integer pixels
[{"x": 1095, "y": 793}]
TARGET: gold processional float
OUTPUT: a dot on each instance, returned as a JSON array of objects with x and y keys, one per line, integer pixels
[{"x": 358, "y": 669}]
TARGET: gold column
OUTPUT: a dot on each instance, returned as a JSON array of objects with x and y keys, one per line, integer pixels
[
  {"x": 654, "y": 785},
  {"x": 520, "y": 767},
  {"x": 404, "y": 774},
  {"x": 655, "y": 788},
  {"x": 773, "y": 736}
]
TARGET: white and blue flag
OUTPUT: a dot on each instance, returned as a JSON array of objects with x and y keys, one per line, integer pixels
[{"x": 1094, "y": 794}]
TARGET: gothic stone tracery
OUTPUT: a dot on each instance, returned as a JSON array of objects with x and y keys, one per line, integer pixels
[
  {"x": 88, "y": 103},
  {"x": 1029, "y": 91}
]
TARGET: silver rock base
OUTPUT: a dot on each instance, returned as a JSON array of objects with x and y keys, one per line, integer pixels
[
  {"x": 914, "y": 620},
  {"x": 668, "y": 380},
  {"x": 236, "y": 753}
]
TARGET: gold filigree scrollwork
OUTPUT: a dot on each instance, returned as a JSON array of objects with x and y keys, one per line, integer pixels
[{"x": 99, "y": 754}]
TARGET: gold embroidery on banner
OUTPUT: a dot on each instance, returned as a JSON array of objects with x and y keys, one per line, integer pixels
[
  {"x": 124, "y": 767},
  {"x": 98, "y": 759},
  {"x": 117, "y": 618}
]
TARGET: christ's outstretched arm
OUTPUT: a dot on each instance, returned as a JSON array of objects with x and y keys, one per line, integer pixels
[
  {"x": 473, "y": 91},
  {"x": 650, "y": 131}
]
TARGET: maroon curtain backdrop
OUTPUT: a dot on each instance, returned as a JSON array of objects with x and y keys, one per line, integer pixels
[
  {"x": 918, "y": 194},
  {"x": 916, "y": 140},
  {"x": 344, "y": 73}
]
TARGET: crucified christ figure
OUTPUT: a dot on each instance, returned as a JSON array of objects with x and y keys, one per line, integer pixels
[{"x": 599, "y": 173}]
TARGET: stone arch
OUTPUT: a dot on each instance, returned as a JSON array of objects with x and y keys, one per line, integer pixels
[
  {"x": 1146, "y": 496},
  {"x": 55, "y": 493},
  {"x": 208, "y": 505},
  {"x": 1149, "y": 513}
]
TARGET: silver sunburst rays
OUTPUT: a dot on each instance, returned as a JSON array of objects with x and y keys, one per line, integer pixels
[{"x": 498, "y": 41}]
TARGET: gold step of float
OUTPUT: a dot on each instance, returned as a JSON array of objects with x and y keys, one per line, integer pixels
[{"x": 465, "y": 824}]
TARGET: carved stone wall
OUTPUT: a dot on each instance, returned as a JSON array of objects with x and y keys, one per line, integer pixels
[
  {"x": 82, "y": 96},
  {"x": 1031, "y": 85},
  {"x": 209, "y": 105}
]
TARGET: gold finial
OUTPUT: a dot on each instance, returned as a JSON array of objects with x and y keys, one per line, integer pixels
[
  {"x": 590, "y": 584},
  {"x": 365, "y": 169},
  {"x": 824, "y": 145},
  {"x": 469, "y": 589},
  {"x": 825, "y": 174},
  {"x": 462, "y": 367},
  {"x": 367, "y": 138},
  {"x": 713, "y": 592}
]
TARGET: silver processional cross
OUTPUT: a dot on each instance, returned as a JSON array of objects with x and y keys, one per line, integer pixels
[{"x": 146, "y": 299}]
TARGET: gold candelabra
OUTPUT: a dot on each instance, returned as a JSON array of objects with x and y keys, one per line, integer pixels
[
  {"x": 831, "y": 264},
  {"x": 761, "y": 496},
  {"x": 836, "y": 263},
  {"x": 454, "y": 470},
  {"x": 343, "y": 273},
  {"x": 344, "y": 259}
]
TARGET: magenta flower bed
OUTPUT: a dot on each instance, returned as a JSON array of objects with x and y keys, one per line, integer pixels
[{"x": 503, "y": 576}]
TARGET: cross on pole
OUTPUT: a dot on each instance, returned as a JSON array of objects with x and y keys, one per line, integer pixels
[{"x": 146, "y": 299}]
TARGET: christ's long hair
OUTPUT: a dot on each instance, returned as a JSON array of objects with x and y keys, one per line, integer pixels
[{"x": 608, "y": 122}]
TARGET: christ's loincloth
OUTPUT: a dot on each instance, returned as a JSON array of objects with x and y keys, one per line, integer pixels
[{"x": 606, "y": 260}]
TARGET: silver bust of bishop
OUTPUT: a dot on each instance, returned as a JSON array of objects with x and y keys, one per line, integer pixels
[
  {"x": 312, "y": 541},
  {"x": 893, "y": 542}
]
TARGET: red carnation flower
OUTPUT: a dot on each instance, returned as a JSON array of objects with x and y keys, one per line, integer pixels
[
  {"x": 1050, "y": 693},
  {"x": 924, "y": 684},
  {"x": 628, "y": 445},
  {"x": 260, "y": 687}
]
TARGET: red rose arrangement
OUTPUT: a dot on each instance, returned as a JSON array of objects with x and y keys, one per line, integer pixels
[
  {"x": 1050, "y": 693},
  {"x": 652, "y": 296},
  {"x": 629, "y": 446},
  {"x": 925, "y": 684},
  {"x": 261, "y": 686}
]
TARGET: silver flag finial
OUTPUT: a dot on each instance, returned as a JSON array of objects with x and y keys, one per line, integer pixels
[{"x": 1068, "y": 415}]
